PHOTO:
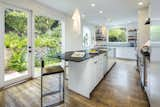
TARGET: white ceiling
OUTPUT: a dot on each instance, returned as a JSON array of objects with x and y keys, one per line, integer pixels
[
  {"x": 120, "y": 11},
  {"x": 155, "y": 9}
]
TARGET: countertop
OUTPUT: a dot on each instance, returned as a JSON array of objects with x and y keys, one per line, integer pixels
[{"x": 67, "y": 56}]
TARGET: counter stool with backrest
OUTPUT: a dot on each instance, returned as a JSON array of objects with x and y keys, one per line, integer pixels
[{"x": 47, "y": 71}]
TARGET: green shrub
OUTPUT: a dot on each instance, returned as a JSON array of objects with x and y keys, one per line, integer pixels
[
  {"x": 13, "y": 41},
  {"x": 18, "y": 47},
  {"x": 117, "y": 35},
  {"x": 17, "y": 61}
]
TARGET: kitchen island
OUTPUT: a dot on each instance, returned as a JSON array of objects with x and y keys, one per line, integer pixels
[{"x": 84, "y": 73}]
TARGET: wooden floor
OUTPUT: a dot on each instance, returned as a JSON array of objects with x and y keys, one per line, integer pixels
[{"x": 120, "y": 88}]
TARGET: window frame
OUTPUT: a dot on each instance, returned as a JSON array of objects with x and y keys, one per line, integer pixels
[{"x": 126, "y": 34}]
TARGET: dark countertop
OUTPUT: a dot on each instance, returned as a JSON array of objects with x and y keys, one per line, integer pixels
[{"x": 67, "y": 56}]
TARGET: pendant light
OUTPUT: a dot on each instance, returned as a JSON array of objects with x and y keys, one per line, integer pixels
[{"x": 76, "y": 17}]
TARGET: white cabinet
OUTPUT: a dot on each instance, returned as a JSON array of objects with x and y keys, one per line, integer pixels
[
  {"x": 94, "y": 73},
  {"x": 84, "y": 76},
  {"x": 100, "y": 67},
  {"x": 80, "y": 76},
  {"x": 111, "y": 58},
  {"x": 126, "y": 53},
  {"x": 105, "y": 62}
]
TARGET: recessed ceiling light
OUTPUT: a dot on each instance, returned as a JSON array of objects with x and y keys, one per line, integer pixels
[
  {"x": 93, "y": 5},
  {"x": 100, "y": 11},
  {"x": 140, "y": 3}
]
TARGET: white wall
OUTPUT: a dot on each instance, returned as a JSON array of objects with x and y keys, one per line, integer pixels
[
  {"x": 74, "y": 41},
  {"x": 155, "y": 20},
  {"x": 143, "y": 30},
  {"x": 132, "y": 25}
]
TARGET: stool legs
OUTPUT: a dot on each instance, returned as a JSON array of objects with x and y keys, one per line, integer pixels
[
  {"x": 63, "y": 87},
  {"x": 60, "y": 90}
]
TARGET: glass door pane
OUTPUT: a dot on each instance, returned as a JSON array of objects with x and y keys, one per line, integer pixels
[
  {"x": 47, "y": 42},
  {"x": 15, "y": 44}
]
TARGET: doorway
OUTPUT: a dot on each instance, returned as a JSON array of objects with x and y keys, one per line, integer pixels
[
  {"x": 47, "y": 42},
  {"x": 25, "y": 39},
  {"x": 16, "y": 45}
]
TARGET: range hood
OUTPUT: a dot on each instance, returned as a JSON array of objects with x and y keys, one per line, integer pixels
[{"x": 147, "y": 21}]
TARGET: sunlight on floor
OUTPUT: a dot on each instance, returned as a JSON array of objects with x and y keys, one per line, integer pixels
[{"x": 14, "y": 75}]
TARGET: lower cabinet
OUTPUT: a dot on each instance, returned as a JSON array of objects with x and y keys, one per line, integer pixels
[
  {"x": 84, "y": 76},
  {"x": 105, "y": 62},
  {"x": 110, "y": 58}
]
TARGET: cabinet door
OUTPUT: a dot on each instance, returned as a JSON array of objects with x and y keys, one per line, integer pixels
[
  {"x": 105, "y": 63},
  {"x": 100, "y": 71},
  {"x": 111, "y": 58},
  {"x": 93, "y": 70}
]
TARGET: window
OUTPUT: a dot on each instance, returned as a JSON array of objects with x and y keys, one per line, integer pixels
[
  {"x": 155, "y": 33},
  {"x": 15, "y": 43},
  {"x": 117, "y": 35},
  {"x": 86, "y": 37},
  {"x": 47, "y": 41}
]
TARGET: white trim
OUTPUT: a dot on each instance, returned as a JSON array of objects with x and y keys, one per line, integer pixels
[
  {"x": 29, "y": 34},
  {"x": 1, "y": 47},
  {"x": 63, "y": 47},
  {"x": 33, "y": 45}
]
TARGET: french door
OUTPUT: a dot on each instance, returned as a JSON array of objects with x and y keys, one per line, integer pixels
[{"x": 15, "y": 45}]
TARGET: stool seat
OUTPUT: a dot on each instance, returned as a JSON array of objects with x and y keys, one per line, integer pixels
[{"x": 52, "y": 70}]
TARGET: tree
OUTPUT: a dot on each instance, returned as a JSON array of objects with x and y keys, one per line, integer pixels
[
  {"x": 16, "y": 21},
  {"x": 43, "y": 24},
  {"x": 117, "y": 35}
]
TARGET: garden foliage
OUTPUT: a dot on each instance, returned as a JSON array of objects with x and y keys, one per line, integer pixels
[
  {"x": 117, "y": 35},
  {"x": 47, "y": 39}
]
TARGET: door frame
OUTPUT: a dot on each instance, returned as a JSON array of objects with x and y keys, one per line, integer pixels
[{"x": 30, "y": 29}]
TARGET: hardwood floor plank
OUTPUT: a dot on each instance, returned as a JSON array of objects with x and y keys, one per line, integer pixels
[{"x": 120, "y": 88}]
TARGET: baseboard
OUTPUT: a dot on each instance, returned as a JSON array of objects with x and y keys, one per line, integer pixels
[
  {"x": 126, "y": 59},
  {"x": 16, "y": 83}
]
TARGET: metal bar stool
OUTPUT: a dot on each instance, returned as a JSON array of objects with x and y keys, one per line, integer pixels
[{"x": 46, "y": 71}]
